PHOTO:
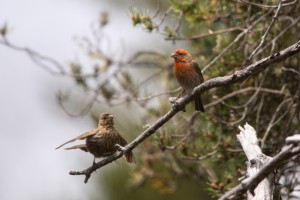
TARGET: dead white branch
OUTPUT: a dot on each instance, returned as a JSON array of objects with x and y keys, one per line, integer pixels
[
  {"x": 256, "y": 159},
  {"x": 260, "y": 168}
]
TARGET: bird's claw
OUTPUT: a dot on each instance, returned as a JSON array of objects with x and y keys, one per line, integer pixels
[
  {"x": 94, "y": 164},
  {"x": 120, "y": 148},
  {"x": 174, "y": 102}
]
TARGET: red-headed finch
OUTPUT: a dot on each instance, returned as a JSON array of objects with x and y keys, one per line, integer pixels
[{"x": 188, "y": 74}]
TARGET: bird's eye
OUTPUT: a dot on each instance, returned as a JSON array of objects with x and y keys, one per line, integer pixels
[{"x": 180, "y": 54}]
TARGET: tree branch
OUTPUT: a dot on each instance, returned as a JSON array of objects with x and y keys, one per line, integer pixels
[
  {"x": 237, "y": 77},
  {"x": 263, "y": 38},
  {"x": 238, "y": 37},
  {"x": 251, "y": 182},
  {"x": 266, "y": 6},
  {"x": 256, "y": 160}
]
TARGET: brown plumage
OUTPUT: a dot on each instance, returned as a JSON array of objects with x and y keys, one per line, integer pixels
[{"x": 102, "y": 141}]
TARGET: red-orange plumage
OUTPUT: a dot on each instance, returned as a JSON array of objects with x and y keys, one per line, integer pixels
[{"x": 188, "y": 74}]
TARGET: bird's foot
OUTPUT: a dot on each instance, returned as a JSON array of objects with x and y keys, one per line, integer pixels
[
  {"x": 174, "y": 102},
  {"x": 94, "y": 164},
  {"x": 120, "y": 148}
]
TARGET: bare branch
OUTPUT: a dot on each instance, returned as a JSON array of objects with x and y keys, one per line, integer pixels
[
  {"x": 157, "y": 8},
  {"x": 144, "y": 99},
  {"x": 293, "y": 139},
  {"x": 266, "y": 6},
  {"x": 201, "y": 157},
  {"x": 273, "y": 122},
  {"x": 39, "y": 59},
  {"x": 263, "y": 38},
  {"x": 259, "y": 166},
  {"x": 178, "y": 22},
  {"x": 238, "y": 37},
  {"x": 83, "y": 111},
  {"x": 210, "y": 33},
  {"x": 244, "y": 90},
  {"x": 294, "y": 23},
  {"x": 251, "y": 182},
  {"x": 238, "y": 76},
  {"x": 290, "y": 70},
  {"x": 163, "y": 17}
]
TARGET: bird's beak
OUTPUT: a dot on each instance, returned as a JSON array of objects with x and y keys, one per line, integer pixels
[{"x": 174, "y": 55}]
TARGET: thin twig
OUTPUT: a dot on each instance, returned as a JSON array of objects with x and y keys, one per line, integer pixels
[
  {"x": 163, "y": 17},
  {"x": 157, "y": 9},
  {"x": 266, "y": 6},
  {"x": 37, "y": 58},
  {"x": 210, "y": 33},
  {"x": 254, "y": 96},
  {"x": 263, "y": 38},
  {"x": 259, "y": 111},
  {"x": 294, "y": 22},
  {"x": 241, "y": 118},
  {"x": 178, "y": 22},
  {"x": 244, "y": 90},
  {"x": 82, "y": 111},
  {"x": 200, "y": 158},
  {"x": 146, "y": 98},
  {"x": 290, "y": 70},
  {"x": 238, "y": 37},
  {"x": 272, "y": 123}
]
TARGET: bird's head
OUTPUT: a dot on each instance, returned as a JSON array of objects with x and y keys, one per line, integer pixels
[
  {"x": 106, "y": 119},
  {"x": 181, "y": 55}
]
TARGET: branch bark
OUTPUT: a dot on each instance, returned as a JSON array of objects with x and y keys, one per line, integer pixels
[
  {"x": 256, "y": 159},
  {"x": 236, "y": 77},
  {"x": 259, "y": 183}
]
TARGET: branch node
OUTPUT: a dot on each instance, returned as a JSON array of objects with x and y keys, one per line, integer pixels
[
  {"x": 251, "y": 190},
  {"x": 87, "y": 176},
  {"x": 275, "y": 55},
  {"x": 234, "y": 76},
  {"x": 294, "y": 139},
  {"x": 253, "y": 162}
]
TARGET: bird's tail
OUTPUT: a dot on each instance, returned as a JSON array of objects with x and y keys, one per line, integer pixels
[
  {"x": 129, "y": 157},
  {"x": 198, "y": 103}
]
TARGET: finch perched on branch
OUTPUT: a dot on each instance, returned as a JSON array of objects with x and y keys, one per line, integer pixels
[
  {"x": 103, "y": 141},
  {"x": 188, "y": 75}
]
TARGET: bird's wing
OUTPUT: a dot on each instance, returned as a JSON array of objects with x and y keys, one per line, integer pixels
[
  {"x": 80, "y": 137},
  {"x": 122, "y": 141},
  {"x": 80, "y": 146},
  {"x": 198, "y": 70}
]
